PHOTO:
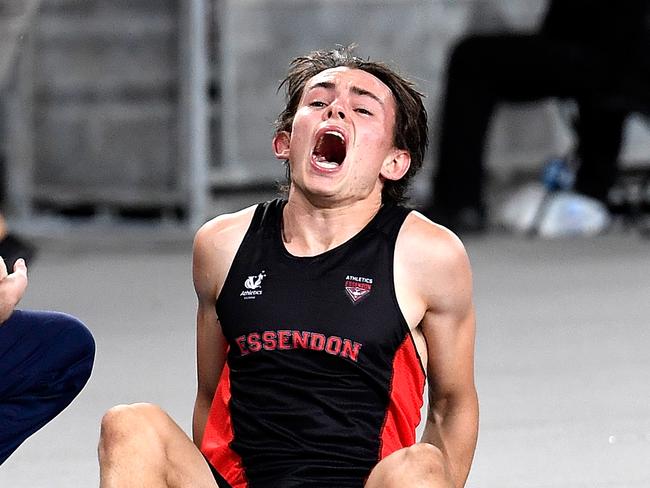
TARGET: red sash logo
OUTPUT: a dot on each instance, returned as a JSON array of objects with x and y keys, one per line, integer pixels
[{"x": 357, "y": 288}]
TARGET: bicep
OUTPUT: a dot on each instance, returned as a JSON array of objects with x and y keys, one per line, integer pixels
[
  {"x": 210, "y": 342},
  {"x": 448, "y": 327},
  {"x": 215, "y": 246},
  {"x": 450, "y": 350},
  {"x": 211, "y": 350}
]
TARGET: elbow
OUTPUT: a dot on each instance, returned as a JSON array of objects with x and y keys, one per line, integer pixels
[{"x": 458, "y": 403}]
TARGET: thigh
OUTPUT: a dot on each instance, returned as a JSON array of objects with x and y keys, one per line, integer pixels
[
  {"x": 518, "y": 67},
  {"x": 142, "y": 443},
  {"x": 48, "y": 350},
  {"x": 187, "y": 466}
]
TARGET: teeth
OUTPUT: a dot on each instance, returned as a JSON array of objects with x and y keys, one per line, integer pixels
[
  {"x": 323, "y": 163},
  {"x": 327, "y": 165},
  {"x": 334, "y": 133}
]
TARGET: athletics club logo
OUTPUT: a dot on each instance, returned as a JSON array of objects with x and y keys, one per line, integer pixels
[
  {"x": 357, "y": 287},
  {"x": 253, "y": 285}
]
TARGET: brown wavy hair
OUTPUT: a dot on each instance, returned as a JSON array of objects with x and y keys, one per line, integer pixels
[{"x": 411, "y": 130}]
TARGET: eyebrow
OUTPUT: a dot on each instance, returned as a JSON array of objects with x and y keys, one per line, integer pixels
[{"x": 328, "y": 85}]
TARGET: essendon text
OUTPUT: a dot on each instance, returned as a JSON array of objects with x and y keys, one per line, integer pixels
[{"x": 283, "y": 340}]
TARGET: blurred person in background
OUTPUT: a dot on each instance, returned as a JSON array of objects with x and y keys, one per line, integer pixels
[
  {"x": 13, "y": 247},
  {"x": 589, "y": 51},
  {"x": 321, "y": 315},
  {"x": 45, "y": 360}
]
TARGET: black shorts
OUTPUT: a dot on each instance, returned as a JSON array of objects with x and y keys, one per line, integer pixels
[
  {"x": 221, "y": 483},
  {"x": 285, "y": 483}
]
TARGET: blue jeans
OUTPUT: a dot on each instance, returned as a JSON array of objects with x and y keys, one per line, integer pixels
[{"x": 45, "y": 360}]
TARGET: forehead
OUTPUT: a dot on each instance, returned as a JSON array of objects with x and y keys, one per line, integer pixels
[{"x": 345, "y": 78}]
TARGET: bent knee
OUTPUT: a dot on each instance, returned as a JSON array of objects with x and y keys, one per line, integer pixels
[
  {"x": 81, "y": 344},
  {"x": 425, "y": 454},
  {"x": 76, "y": 333},
  {"x": 420, "y": 465},
  {"x": 424, "y": 459},
  {"x": 130, "y": 422},
  {"x": 73, "y": 340},
  {"x": 470, "y": 57},
  {"x": 467, "y": 50}
]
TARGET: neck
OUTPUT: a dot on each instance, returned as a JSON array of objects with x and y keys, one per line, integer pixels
[{"x": 309, "y": 230}]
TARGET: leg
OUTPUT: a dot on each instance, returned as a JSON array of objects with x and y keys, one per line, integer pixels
[
  {"x": 600, "y": 134},
  {"x": 482, "y": 71},
  {"x": 419, "y": 466},
  {"x": 45, "y": 360},
  {"x": 141, "y": 446},
  {"x": 467, "y": 107}
]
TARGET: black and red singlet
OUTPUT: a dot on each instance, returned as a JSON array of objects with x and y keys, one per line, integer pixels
[{"x": 322, "y": 378}]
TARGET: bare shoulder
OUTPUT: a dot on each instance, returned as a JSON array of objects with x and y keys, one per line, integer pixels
[
  {"x": 430, "y": 245},
  {"x": 215, "y": 246},
  {"x": 221, "y": 230},
  {"x": 436, "y": 261}
]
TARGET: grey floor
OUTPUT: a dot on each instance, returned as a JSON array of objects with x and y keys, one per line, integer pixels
[{"x": 563, "y": 357}]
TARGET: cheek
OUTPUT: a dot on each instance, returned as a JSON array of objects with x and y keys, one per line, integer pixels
[
  {"x": 376, "y": 142},
  {"x": 299, "y": 144},
  {"x": 300, "y": 129},
  {"x": 296, "y": 142}
]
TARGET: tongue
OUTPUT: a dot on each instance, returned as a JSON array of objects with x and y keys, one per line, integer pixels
[{"x": 330, "y": 150}]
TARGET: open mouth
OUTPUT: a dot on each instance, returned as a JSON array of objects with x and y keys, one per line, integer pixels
[{"x": 330, "y": 150}]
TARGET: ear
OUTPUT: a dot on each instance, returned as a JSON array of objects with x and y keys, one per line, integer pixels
[
  {"x": 396, "y": 167},
  {"x": 281, "y": 144}
]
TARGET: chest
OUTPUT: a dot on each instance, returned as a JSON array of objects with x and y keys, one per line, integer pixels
[{"x": 342, "y": 303}]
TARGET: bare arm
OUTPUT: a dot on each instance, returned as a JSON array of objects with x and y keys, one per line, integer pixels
[
  {"x": 215, "y": 246},
  {"x": 439, "y": 269},
  {"x": 210, "y": 343},
  {"x": 12, "y": 287},
  {"x": 452, "y": 420},
  {"x": 449, "y": 330}
]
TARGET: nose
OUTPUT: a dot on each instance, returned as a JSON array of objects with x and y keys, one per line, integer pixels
[{"x": 335, "y": 111}]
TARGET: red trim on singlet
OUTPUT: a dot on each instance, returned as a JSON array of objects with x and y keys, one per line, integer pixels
[
  {"x": 219, "y": 434},
  {"x": 406, "y": 398}
]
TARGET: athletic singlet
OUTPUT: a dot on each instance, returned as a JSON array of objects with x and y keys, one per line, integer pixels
[{"x": 322, "y": 378}]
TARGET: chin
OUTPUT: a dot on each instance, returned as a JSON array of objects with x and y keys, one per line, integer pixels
[{"x": 318, "y": 193}]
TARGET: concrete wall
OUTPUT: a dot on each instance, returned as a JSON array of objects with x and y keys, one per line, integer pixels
[
  {"x": 107, "y": 74},
  {"x": 107, "y": 78}
]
